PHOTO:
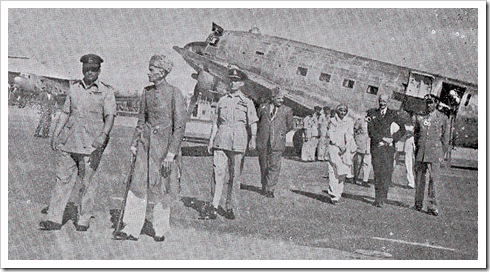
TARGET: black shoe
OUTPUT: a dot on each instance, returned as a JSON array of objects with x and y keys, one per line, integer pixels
[
  {"x": 159, "y": 238},
  {"x": 50, "y": 225},
  {"x": 208, "y": 212},
  {"x": 433, "y": 212},
  {"x": 366, "y": 184},
  {"x": 378, "y": 204},
  {"x": 349, "y": 180},
  {"x": 229, "y": 214},
  {"x": 80, "y": 227},
  {"x": 417, "y": 208},
  {"x": 269, "y": 194},
  {"x": 148, "y": 229},
  {"x": 334, "y": 201},
  {"x": 122, "y": 236}
]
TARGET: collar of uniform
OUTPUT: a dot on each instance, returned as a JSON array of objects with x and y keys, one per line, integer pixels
[
  {"x": 95, "y": 83},
  {"x": 238, "y": 94}
]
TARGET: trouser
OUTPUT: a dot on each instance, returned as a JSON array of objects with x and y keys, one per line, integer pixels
[
  {"x": 365, "y": 167},
  {"x": 223, "y": 161},
  {"x": 409, "y": 158},
  {"x": 270, "y": 167},
  {"x": 382, "y": 158},
  {"x": 322, "y": 148},
  {"x": 44, "y": 123},
  {"x": 337, "y": 171},
  {"x": 431, "y": 172},
  {"x": 66, "y": 178},
  {"x": 148, "y": 185},
  {"x": 309, "y": 149}
]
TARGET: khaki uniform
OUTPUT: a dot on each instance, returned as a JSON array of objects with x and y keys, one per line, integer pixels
[
  {"x": 160, "y": 129},
  {"x": 311, "y": 138},
  {"x": 234, "y": 113},
  {"x": 341, "y": 134},
  {"x": 432, "y": 140},
  {"x": 363, "y": 153},
  {"x": 87, "y": 107}
]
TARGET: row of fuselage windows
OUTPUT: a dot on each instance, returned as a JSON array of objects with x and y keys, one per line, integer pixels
[{"x": 347, "y": 83}]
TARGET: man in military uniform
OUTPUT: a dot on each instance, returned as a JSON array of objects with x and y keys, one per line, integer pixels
[
  {"x": 383, "y": 146},
  {"x": 362, "y": 158},
  {"x": 156, "y": 144},
  {"x": 86, "y": 121},
  {"x": 228, "y": 142},
  {"x": 275, "y": 121},
  {"x": 432, "y": 142}
]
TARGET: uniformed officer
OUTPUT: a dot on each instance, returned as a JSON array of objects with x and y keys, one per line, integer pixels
[
  {"x": 383, "y": 146},
  {"x": 432, "y": 141},
  {"x": 362, "y": 158},
  {"x": 86, "y": 121},
  {"x": 228, "y": 142},
  {"x": 156, "y": 143},
  {"x": 275, "y": 121}
]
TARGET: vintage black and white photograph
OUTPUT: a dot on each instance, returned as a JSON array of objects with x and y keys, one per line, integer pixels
[{"x": 196, "y": 133}]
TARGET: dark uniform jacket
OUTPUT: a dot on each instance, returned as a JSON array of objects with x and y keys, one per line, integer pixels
[
  {"x": 274, "y": 128},
  {"x": 379, "y": 127},
  {"x": 161, "y": 120},
  {"x": 431, "y": 137}
]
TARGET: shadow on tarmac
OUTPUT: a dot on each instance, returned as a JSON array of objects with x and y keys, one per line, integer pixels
[{"x": 322, "y": 198}]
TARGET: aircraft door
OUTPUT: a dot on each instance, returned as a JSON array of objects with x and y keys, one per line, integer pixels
[{"x": 419, "y": 85}]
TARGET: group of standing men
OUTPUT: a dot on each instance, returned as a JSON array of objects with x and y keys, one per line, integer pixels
[
  {"x": 82, "y": 134},
  {"x": 375, "y": 140}
]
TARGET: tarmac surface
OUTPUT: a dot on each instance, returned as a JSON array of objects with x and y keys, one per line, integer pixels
[{"x": 299, "y": 224}]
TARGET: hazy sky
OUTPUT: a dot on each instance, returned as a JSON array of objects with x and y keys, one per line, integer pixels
[{"x": 443, "y": 41}]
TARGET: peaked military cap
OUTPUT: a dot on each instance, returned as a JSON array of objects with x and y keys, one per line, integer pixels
[
  {"x": 236, "y": 74},
  {"x": 91, "y": 60}
]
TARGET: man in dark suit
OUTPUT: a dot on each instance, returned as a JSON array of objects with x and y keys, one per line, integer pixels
[
  {"x": 432, "y": 142},
  {"x": 383, "y": 146},
  {"x": 275, "y": 120}
]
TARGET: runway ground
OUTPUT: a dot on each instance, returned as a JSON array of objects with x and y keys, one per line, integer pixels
[{"x": 299, "y": 224}]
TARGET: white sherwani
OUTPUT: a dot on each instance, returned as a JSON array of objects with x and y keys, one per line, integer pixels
[{"x": 341, "y": 135}]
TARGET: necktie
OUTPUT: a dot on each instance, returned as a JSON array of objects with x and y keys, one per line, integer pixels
[{"x": 273, "y": 111}]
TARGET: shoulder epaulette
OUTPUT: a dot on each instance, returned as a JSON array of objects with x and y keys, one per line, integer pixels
[{"x": 107, "y": 85}]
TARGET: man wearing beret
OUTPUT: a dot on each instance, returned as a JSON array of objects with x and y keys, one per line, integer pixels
[
  {"x": 432, "y": 142},
  {"x": 228, "y": 143},
  {"x": 383, "y": 146},
  {"x": 275, "y": 121},
  {"x": 156, "y": 144},
  {"x": 81, "y": 135}
]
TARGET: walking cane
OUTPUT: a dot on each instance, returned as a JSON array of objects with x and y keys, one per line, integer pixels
[{"x": 129, "y": 178}]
